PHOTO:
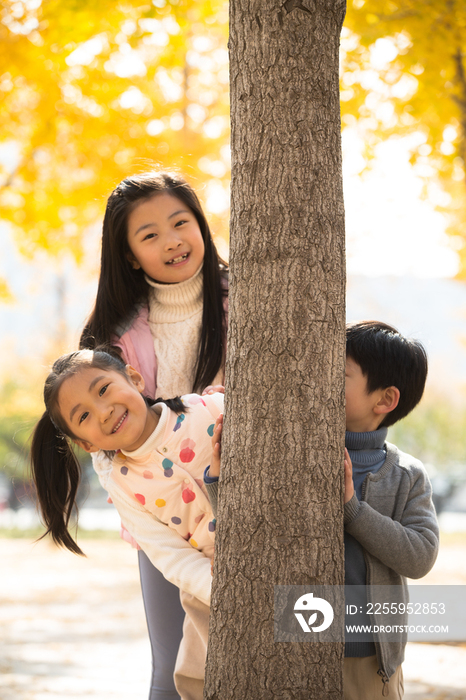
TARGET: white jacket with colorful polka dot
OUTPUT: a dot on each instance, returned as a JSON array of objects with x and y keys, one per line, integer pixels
[
  {"x": 179, "y": 449},
  {"x": 165, "y": 475}
]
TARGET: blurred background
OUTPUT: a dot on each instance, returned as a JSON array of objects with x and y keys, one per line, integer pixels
[{"x": 92, "y": 92}]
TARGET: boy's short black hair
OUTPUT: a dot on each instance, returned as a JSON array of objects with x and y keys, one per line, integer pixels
[{"x": 387, "y": 358}]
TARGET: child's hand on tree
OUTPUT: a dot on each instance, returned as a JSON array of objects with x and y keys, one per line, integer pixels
[
  {"x": 216, "y": 389},
  {"x": 349, "y": 486},
  {"x": 214, "y": 469}
]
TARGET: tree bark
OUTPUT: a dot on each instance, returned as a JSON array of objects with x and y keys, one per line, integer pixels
[{"x": 280, "y": 518}]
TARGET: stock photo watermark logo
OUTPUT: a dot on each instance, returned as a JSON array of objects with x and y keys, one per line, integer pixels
[
  {"x": 422, "y": 613},
  {"x": 308, "y": 603}
]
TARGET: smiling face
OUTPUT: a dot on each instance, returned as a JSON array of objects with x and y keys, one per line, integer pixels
[
  {"x": 104, "y": 409},
  {"x": 165, "y": 239}
]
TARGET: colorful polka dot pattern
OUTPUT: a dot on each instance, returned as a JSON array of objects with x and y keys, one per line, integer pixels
[
  {"x": 188, "y": 495},
  {"x": 181, "y": 502},
  {"x": 187, "y": 453},
  {"x": 193, "y": 400},
  {"x": 179, "y": 421},
  {"x": 167, "y": 465}
]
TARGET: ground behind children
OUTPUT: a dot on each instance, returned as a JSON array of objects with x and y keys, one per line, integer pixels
[{"x": 73, "y": 627}]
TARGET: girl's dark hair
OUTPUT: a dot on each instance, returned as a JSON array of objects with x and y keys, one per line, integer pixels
[
  {"x": 121, "y": 288},
  {"x": 56, "y": 471},
  {"x": 387, "y": 358}
]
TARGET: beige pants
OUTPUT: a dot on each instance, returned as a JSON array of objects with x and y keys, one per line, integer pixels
[
  {"x": 361, "y": 682},
  {"x": 190, "y": 662}
]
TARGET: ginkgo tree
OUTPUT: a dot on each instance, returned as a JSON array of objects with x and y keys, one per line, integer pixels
[
  {"x": 90, "y": 92},
  {"x": 404, "y": 73}
]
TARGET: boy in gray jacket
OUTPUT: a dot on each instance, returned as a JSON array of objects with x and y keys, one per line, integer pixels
[{"x": 391, "y": 530}]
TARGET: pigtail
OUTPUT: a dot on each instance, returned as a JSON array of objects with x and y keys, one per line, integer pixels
[
  {"x": 56, "y": 474},
  {"x": 176, "y": 405}
]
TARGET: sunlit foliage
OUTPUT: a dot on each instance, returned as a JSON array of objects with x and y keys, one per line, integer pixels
[
  {"x": 20, "y": 405},
  {"x": 404, "y": 72},
  {"x": 93, "y": 91}
]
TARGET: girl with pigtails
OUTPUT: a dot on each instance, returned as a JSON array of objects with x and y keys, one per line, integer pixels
[
  {"x": 156, "y": 454},
  {"x": 162, "y": 304}
]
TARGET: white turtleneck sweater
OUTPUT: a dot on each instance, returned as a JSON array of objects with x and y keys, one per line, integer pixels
[{"x": 175, "y": 321}]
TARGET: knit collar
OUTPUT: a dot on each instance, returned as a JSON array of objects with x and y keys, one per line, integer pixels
[
  {"x": 366, "y": 448},
  {"x": 173, "y": 302},
  {"x": 187, "y": 290}
]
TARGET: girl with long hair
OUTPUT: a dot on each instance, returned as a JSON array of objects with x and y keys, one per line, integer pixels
[
  {"x": 156, "y": 455},
  {"x": 162, "y": 303}
]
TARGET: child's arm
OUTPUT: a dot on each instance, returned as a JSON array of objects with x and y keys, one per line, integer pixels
[
  {"x": 179, "y": 562},
  {"x": 213, "y": 472},
  {"x": 408, "y": 546}
]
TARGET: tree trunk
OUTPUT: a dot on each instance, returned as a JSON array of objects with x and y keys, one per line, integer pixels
[{"x": 280, "y": 519}]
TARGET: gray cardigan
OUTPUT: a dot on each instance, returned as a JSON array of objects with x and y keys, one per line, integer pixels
[{"x": 396, "y": 525}]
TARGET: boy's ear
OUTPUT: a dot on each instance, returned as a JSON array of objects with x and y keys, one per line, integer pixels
[
  {"x": 388, "y": 400},
  {"x": 132, "y": 261},
  {"x": 86, "y": 446},
  {"x": 136, "y": 378}
]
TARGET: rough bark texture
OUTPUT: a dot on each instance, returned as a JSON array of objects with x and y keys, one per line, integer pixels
[{"x": 280, "y": 513}]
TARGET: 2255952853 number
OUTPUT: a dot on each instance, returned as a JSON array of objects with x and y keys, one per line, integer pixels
[{"x": 403, "y": 608}]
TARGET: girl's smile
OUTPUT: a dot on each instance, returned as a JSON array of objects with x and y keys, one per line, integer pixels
[
  {"x": 165, "y": 239},
  {"x": 104, "y": 409},
  {"x": 178, "y": 260},
  {"x": 120, "y": 422}
]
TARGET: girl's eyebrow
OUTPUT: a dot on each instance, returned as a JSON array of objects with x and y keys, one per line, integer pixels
[
  {"x": 175, "y": 213},
  {"x": 95, "y": 381},
  {"x": 144, "y": 226},
  {"x": 180, "y": 211}
]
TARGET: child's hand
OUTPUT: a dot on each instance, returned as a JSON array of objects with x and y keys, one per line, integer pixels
[
  {"x": 214, "y": 469},
  {"x": 127, "y": 537},
  {"x": 349, "y": 486},
  {"x": 216, "y": 389}
]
